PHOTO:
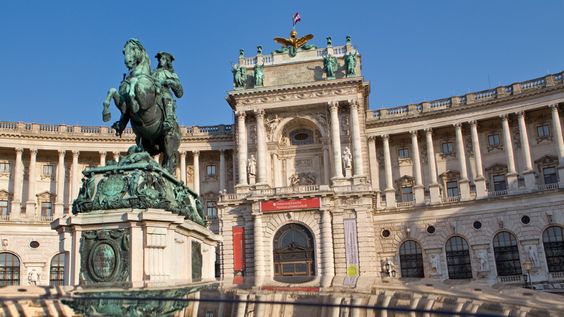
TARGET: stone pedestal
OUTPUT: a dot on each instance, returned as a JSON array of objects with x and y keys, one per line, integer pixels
[
  {"x": 512, "y": 182},
  {"x": 135, "y": 248},
  {"x": 530, "y": 182},
  {"x": 419, "y": 194},
  {"x": 435, "y": 194},
  {"x": 464, "y": 186},
  {"x": 348, "y": 172},
  {"x": 481, "y": 191}
]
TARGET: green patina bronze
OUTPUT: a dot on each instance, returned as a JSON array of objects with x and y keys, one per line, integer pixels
[
  {"x": 165, "y": 302},
  {"x": 145, "y": 99},
  {"x": 105, "y": 258},
  {"x": 330, "y": 66},
  {"x": 350, "y": 63},
  {"x": 137, "y": 181},
  {"x": 239, "y": 76},
  {"x": 196, "y": 261},
  {"x": 259, "y": 75}
]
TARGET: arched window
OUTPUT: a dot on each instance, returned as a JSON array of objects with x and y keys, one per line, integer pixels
[
  {"x": 411, "y": 259},
  {"x": 506, "y": 254},
  {"x": 57, "y": 272},
  {"x": 553, "y": 240},
  {"x": 293, "y": 252},
  {"x": 9, "y": 269},
  {"x": 458, "y": 258}
]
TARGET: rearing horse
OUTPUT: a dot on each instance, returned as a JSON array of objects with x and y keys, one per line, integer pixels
[{"x": 140, "y": 102}]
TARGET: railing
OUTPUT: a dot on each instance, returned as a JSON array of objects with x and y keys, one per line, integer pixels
[
  {"x": 510, "y": 279},
  {"x": 470, "y": 98},
  {"x": 544, "y": 187},
  {"x": 46, "y": 218},
  {"x": 297, "y": 189},
  {"x": 232, "y": 197},
  {"x": 451, "y": 199},
  {"x": 250, "y": 61},
  {"x": 5, "y": 217},
  {"x": 402, "y": 204},
  {"x": 497, "y": 193},
  {"x": 8, "y": 125},
  {"x": 321, "y": 51},
  {"x": 48, "y": 128},
  {"x": 87, "y": 129},
  {"x": 339, "y": 50},
  {"x": 557, "y": 275}
]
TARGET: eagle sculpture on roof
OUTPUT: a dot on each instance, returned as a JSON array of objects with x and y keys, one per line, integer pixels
[{"x": 292, "y": 43}]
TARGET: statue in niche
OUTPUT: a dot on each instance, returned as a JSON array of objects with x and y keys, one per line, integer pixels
[
  {"x": 483, "y": 259},
  {"x": 330, "y": 66},
  {"x": 239, "y": 76},
  {"x": 435, "y": 260},
  {"x": 251, "y": 168},
  {"x": 532, "y": 255},
  {"x": 347, "y": 161},
  {"x": 259, "y": 75},
  {"x": 271, "y": 124},
  {"x": 350, "y": 63},
  {"x": 294, "y": 180}
]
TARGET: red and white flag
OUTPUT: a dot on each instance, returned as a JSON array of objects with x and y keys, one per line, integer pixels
[{"x": 297, "y": 18}]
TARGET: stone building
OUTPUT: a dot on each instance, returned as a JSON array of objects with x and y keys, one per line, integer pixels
[{"x": 309, "y": 188}]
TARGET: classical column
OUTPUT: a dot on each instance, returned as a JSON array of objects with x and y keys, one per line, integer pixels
[
  {"x": 358, "y": 165},
  {"x": 196, "y": 171},
  {"x": 511, "y": 176},
  {"x": 74, "y": 175},
  {"x": 326, "y": 167},
  {"x": 463, "y": 184},
  {"x": 242, "y": 146},
  {"x": 15, "y": 208},
  {"x": 221, "y": 170},
  {"x": 59, "y": 202},
  {"x": 419, "y": 188},
  {"x": 327, "y": 259},
  {"x": 528, "y": 173},
  {"x": 434, "y": 191},
  {"x": 183, "y": 166},
  {"x": 336, "y": 140},
  {"x": 116, "y": 156},
  {"x": 259, "y": 249},
  {"x": 479, "y": 179},
  {"x": 373, "y": 164},
  {"x": 30, "y": 206},
  {"x": 559, "y": 142},
  {"x": 390, "y": 191},
  {"x": 261, "y": 148},
  {"x": 102, "y": 158}
]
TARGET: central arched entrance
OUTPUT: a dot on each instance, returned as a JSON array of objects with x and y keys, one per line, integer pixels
[{"x": 294, "y": 259}]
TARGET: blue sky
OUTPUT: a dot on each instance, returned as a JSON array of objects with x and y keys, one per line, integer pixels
[{"x": 60, "y": 57}]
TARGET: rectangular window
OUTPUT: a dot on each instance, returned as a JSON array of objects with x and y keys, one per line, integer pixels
[
  {"x": 403, "y": 152},
  {"x": 407, "y": 194},
  {"x": 452, "y": 189},
  {"x": 3, "y": 208},
  {"x": 4, "y": 167},
  {"x": 499, "y": 183},
  {"x": 211, "y": 209},
  {"x": 447, "y": 148},
  {"x": 48, "y": 170},
  {"x": 210, "y": 170},
  {"x": 543, "y": 130},
  {"x": 209, "y": 314},
  {"x": 493, "y": 139},
  {"x": 46, "y": 210},
  {"x": 549, "y": 174}
]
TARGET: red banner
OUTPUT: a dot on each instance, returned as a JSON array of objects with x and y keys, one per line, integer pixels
[
  {"x": 292, "y": 204},
  {"x": 238, "y": 249}
]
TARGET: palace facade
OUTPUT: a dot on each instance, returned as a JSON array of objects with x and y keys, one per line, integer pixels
[{"x": 310, "y": 188}]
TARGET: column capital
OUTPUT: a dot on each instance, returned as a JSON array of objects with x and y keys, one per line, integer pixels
[
  {"x": 473, "y": 123},
  {"x": 353, "y": 103},
  {"x": 182, "y": 153},
  {"x": 372, "y": 137},
  {"x": 196, "y": 153},
  {"x": 333, "y": 106},
  {"x": 413, "y": 133},
  {"x": 77, "y": 152},
  {"x": 457, "y": 125},
  {"x": 385, "y": 136},
  {"x": 19, "y": 150},
  {"x": 503, "y": 116},
  {"x": 222, "y": 151},
  {"x": 61, "y": 152},
  {"x": 240, "y": 114},
  {"x": 521, "y": 113},
  {"x": 428, "y": 130},
  {"x": 553, "y": 107},
  {"x": 33, "y": 151},
  {"x": 259, "y": 113}
]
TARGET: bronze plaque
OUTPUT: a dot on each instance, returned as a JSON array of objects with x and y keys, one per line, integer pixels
[{"x": 103, "y": 260}]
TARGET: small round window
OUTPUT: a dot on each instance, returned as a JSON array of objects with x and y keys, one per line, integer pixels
[
  {"x": 34, "y": 244},
  {"x": 385, "y": 233},
  {"x": 431, "y": 229},
  {"x": 525, "y": 220},
  {"x": 301, "y": 136}
]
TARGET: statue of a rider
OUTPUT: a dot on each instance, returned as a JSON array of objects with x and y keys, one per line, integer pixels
[{"x": 168, "y": 80}]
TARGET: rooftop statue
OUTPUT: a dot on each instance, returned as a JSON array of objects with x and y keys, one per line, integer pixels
[
  {"x": 144, "y": 98},
  {"x": 293, "y": 43}
]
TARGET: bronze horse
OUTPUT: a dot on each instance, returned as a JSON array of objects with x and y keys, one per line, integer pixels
[{"x": 141, "y": 100}]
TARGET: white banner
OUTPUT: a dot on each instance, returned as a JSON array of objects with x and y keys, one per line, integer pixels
[{"x": 351, "y": 250}]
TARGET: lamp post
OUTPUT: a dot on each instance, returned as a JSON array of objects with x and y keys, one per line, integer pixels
[{"x": 528, "y": 266}]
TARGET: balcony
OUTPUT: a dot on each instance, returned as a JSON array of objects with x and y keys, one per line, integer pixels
[
  {"x": 5, "y": 217},
  {"x": 511, "y": 279},
  {"x": 546, "y": 187}
]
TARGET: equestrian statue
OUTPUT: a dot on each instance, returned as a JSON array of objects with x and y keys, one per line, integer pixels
[{"x": 145, "y": 98}]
